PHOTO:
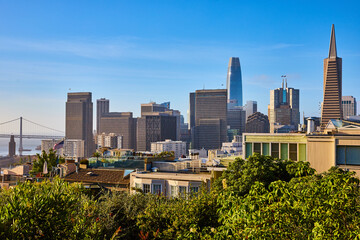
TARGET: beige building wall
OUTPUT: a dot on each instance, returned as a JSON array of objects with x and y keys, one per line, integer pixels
[{"x": 321, "y": 153}]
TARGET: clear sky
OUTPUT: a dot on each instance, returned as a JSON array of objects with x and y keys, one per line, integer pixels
[{"x": 132, "y": 52}]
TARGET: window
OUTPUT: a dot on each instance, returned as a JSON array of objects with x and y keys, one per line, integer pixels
[
  {"x": 284, "y": 151},
  {"x": 257, "y": 148},
  {"x": 348, "y": 155},
  {"x": 182, "y": 191},
  {"x": 173, "y": 192},
  {"x": 302, "y": 152},
  {"x": 293, "y": 151},
  {"x": 265, "y": 149},
  {"x": 146, "y": 188},
  {"x": 194, "y": 190},
  {"x": 275, "y": 150},
  {"x": 156, "y": 189},
  {"x": 248, "y": 150}
]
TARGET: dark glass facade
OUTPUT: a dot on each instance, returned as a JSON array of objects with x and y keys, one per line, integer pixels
[{"x": 234, "y": 81}]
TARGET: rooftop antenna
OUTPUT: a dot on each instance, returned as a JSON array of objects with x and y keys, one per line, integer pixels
[{"x": 204, "y": 87}]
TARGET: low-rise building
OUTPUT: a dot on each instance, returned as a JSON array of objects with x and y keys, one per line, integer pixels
[
  {"x": 178, "y": 147},
  {"x": 338, "y": 145},
  {"x": 169, "y": 184}
]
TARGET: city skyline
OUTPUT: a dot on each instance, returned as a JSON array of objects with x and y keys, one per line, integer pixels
[{"x": 39, "y": 65}]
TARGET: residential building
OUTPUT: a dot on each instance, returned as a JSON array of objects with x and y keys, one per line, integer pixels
[
  {"x": 74, "y": 149},
  {"x": 102, "y": 106},
  {"x": 169, "y": 184},
  {"x": 79, "y": 120},
  {"x": 234, "y": 82},
  {"x": 250, "y": 108},
  {"x": 210, "y": 129},
  {"x": 107, "y": 140},
  {"x": 348, "y": 106},
  {"x": 257, "y": 123},
  {"x": 331, "y": 106},
  {"x": 48, "y": 144},
  {"x": 98, "y": 179},
  {"x": 178, "y": 147},
  {"x": 284, "y": 107}
]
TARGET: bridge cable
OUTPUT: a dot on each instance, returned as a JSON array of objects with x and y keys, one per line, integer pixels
[
  {"x": 9, "y": 121},
  {"x": 43, "y": 126}
]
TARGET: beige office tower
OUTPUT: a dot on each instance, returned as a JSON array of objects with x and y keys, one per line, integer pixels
[
  {"x": 331, "y": 107},
  {"x": 210, "y": 129},
  {"x": 348, "y": 106},
  {"x": 79, "y": 120},
  {"x": 122, "y": 124}
]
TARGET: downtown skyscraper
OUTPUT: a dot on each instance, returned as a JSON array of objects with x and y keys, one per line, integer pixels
[
  {"x": 234, "y": 83},
  {"x": 79, "y": 120},
  {"x": 331, "y": 106}
]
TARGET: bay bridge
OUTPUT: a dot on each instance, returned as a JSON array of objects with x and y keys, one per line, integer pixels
[{"x": 23, "y": 128}]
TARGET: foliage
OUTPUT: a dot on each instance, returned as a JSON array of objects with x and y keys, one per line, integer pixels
[
  {"x": 309, "y": 207},
  {"x": 40, "y": 210},
  {"x": 182, "y": 218},
  {"x": 259, "y": 198},
  {"x": 165, "y": 154},
  {"x": 51, "y": 159},
  {"x": 121, "y": 209},
  {"x": 242, "y": 174}
]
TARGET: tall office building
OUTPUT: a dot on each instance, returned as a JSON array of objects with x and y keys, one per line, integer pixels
[
  {"x": 234, "y": 82},
  {"x": 257, "y": 123},
  {"x": 210, "y": 129},
  {"x": 122, "y": 124},
  {"x": 250, "y": 108},
  {"x": 331, "y": 107},
  {"x": 154, "y": 127},
  {"x": 79, "y": 120},
  {"x": 284, "y": 107},
  {"x": 102, "y": 106},
  {"x": 148, "y": 108},
  {"x": 236, "y": 120},
  {"x": 348, "y": 106}
]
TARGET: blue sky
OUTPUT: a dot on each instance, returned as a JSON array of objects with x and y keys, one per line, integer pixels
[{"x": 132, "y": 52}]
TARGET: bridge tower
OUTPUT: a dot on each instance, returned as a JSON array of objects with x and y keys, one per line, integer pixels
[{"x": 20, "y": 145}]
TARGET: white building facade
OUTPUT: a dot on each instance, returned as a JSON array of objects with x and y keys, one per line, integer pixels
[{"x": 178, "y": 147}]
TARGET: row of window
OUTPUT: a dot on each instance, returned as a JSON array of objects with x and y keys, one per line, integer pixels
[
  {"x": 277, "y": 150},
  {"x": 174, "y": 190}
]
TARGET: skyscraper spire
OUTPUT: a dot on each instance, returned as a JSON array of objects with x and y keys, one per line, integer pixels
[
  {"x": 332, "y": 49},
  {"x": 331, "y": 106}
]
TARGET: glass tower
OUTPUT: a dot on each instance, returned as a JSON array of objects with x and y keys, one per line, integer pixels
[{"x": 234, "y": 82}]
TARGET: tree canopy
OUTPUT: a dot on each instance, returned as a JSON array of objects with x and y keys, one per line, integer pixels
[{"x": 258, "y": 198}]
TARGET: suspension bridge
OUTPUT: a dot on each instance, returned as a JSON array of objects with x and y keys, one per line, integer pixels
[{"x": 23, "y": 128}]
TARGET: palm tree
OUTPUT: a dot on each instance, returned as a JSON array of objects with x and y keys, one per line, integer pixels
[{"x": 97, "y": 155}]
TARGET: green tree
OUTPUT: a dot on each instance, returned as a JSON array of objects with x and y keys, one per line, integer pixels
[
  {"x": 51, "y": 158},
  {"x": 307, "y": 207},
  {"x": 48, "y": 210},
  {"x": 97, "y": 155}
]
